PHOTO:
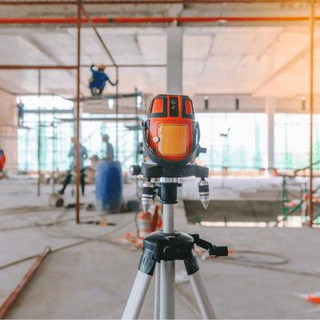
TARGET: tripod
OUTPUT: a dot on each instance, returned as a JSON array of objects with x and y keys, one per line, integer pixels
[{"x": 161, "y": 249}]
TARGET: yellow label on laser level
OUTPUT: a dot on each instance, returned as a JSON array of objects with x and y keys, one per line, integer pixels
[{"x": 173, "y": 139}]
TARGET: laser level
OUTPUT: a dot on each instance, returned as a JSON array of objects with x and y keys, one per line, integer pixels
[{"x": 171, "y": 144}]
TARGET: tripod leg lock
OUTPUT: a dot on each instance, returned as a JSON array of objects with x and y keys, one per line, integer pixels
[
  {"x": 147, "y": 262},
  {"x": 212, "y": 249},
  {"x": 191, "y": 265}
]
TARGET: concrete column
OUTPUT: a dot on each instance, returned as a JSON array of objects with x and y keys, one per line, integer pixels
[
  {"x": 8, "y": 130},
  {"x": 174, "y": 69},
  {"x": 270, "y": 111},
  {"x": 174, "y": 60}
]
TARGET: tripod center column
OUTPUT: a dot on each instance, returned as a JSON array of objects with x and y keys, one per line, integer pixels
[
  {"x": 168, "y": 208},
  {"x": 168, "y": 218},
  {"x": 168, "y": 197}
]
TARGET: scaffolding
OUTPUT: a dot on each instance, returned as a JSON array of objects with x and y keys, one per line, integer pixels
[{"x": 83, "y": 17}]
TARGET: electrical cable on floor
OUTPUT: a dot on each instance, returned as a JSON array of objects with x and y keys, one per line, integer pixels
[
  {"x": 266, "y": 267},
  {"x": 85, "y": 240},
  {"x": 23, "y": 210},
  {"x": 10, "y": 264},
  {"x": 68, "y": 234},
  {"x": 229, "y": 260},
  {"x": 35, "y": 225},
  {"x": 282, "y": 259}
]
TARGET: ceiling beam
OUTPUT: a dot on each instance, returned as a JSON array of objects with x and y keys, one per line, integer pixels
[
  {"x": 135, "y": 2},
  {"x": 154, "y": 20},
  {"x": 44, "y": 50},
  {"x": 302, "y": 54}
]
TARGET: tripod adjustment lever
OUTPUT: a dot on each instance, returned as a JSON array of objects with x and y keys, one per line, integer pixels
[{"x": 212, "y": 249}]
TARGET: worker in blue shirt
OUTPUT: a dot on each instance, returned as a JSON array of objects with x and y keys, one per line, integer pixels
[
  {"x": 20, "y": 107},
  {"x": 99, "y": 79},
  {"x": 73, "y": 165},
  {"x": 109, "y": 155}
]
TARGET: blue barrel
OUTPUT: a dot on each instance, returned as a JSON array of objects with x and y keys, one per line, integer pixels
[{"x": 109, "y": 186}]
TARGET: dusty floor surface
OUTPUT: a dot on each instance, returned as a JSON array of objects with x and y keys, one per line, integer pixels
[{"x": 92, "y": 279}]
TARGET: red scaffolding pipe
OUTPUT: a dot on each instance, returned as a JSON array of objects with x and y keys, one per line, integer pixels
[
  {"x": 69, "y": 67},
  {"x": 311, "y": 96},
  {"x": 153, "y": 20},
  {"x": 35, "y": 67},
  {"x": 13, "y": 297},
  {"x": 132, "y": 2},
  {"x": 78, "y": 114}
]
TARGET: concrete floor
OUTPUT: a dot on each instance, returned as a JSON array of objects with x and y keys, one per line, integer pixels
[{"x": 92, "y": 279}]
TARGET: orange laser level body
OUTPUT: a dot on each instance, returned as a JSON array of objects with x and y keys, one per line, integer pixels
[{"x": 171, "y": 135}]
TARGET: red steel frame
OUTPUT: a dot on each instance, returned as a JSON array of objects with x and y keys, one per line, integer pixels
[
  {"x": 135, "y": 2},
  {"x": 311, "y": 97},
  {"x": 153, "y": 20}
]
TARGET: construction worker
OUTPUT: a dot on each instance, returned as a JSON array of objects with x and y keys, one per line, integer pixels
[
  {"x": 72, "y": 155},
  {"x": 109, "y": 148},
  {"x": 2, "y": 163},
  {"x": 20, "y": 107},
  {"x": 99, "y": 79}
]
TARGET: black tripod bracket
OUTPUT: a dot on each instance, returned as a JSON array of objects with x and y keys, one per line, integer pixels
[
  {"x": 160, "y": 246},
  {"x": 167, "y": 192},
  {"x": 150, "y": 170}
]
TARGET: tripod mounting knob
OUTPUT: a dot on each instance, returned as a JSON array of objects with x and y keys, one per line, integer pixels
[
  {"x": 135, "y": 170},
  {"x": 170, "y": 253},
  {"x": 201, "y": 150}
]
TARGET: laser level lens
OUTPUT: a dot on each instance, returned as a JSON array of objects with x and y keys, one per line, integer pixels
[{"x": 174, "y": 109}]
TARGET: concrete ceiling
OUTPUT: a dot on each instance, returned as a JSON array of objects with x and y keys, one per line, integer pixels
[{"x": 253, "y": 60}]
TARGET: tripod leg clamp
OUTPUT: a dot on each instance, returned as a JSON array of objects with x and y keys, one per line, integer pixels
[
  {"x": 147, "y": 262},
  {"x": 191, "y": 265}
]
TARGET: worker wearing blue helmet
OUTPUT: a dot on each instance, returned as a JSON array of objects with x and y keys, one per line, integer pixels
[{"x": 99, "y": 79}]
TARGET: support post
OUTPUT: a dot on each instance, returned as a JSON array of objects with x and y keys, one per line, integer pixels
[
  {"x": 174, "y": 60},
  {"x": 312, "y": 18},
  {"x": 39, "y": 135},
  {"x": 117, "y": 113},
  {"x": 270, "y": 110},
  {"x": 78, "y": 113}
]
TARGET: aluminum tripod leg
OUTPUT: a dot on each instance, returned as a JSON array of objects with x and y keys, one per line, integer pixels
[
  {"x": 137, "y": 296},
  {"x": 167, "y": 289},
  {"x": 201, "y": 296},
  {"x": 156, "y": 314}
]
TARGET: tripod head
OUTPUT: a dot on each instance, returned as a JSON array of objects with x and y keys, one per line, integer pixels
[{"x": 163, "y": 181}]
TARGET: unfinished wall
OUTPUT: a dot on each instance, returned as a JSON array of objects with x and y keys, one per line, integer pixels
[{"x": 8, "y": 130}]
